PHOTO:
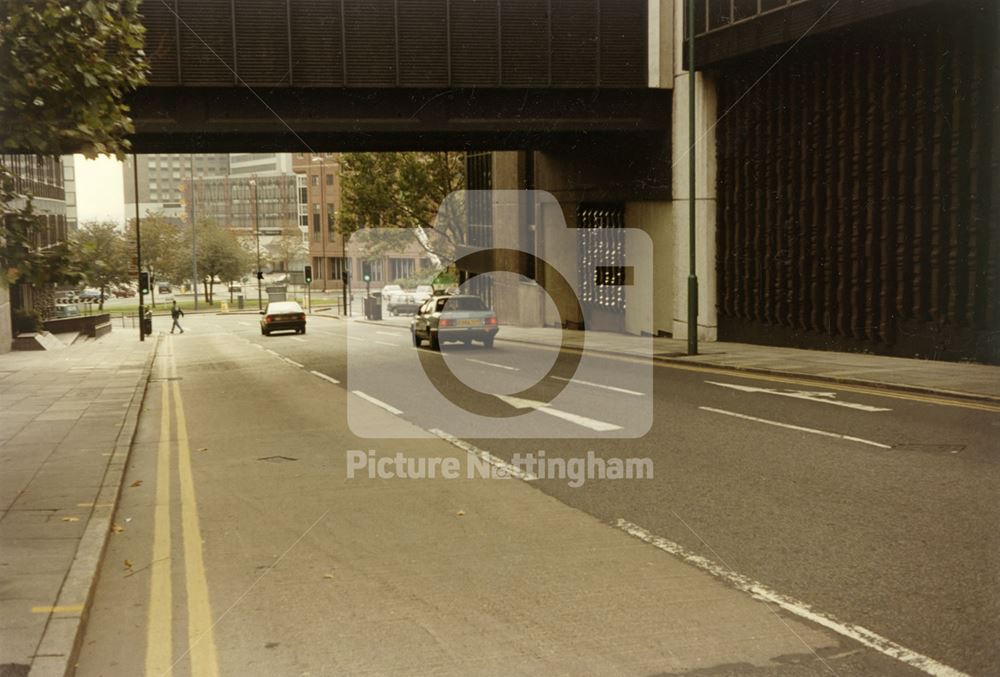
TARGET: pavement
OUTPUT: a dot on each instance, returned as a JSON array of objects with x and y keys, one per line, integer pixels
[
  {"x": 969, "y": 380},
  {"x": 66, "y": 424},
  {"x": 258, "y": 555}
]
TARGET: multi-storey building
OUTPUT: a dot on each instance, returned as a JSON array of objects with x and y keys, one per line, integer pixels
[
  {"x": 42, "y": 179},
  {"x": 320, "y": 188},
  {"x": 162, "y": 177}
]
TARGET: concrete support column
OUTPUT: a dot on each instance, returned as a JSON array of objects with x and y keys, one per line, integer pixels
[
  {"x": 706, "y": 112},
  {"x": 6, "y": 331}
]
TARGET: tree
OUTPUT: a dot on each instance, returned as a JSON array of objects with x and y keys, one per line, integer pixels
[
  {"x": 405, "y": 191},
  {"x": 100, "y": 255},
  {"x": 220, "y": 256},
  {"x": 64, "y": 71},
  {"x": 161, "y": 247},
  {"x": 287, "y": 248},
  {"x": 65, "y": 68}
]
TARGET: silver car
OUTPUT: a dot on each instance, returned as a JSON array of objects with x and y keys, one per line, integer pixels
[{"x": 453, "y": 318}]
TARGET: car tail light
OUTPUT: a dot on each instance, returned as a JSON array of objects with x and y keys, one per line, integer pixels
[
  {"x": 491, "y": 320},
  {"x": 268, "y": 318},
  {"x": 445, "y": 322},
  {"x": 302, "y": 316}
]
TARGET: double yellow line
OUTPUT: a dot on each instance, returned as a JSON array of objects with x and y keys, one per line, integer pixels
[{"x": 159, "y": 627}]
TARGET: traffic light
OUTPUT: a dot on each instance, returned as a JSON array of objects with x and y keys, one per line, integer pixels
[
  {"x": 345, "y": 277},
  {"x": 368, "y": 277},
  {"x": 144, "y": 282},
  {"x": 309, "y": 273},
  {"x": 260, "y": 275}
]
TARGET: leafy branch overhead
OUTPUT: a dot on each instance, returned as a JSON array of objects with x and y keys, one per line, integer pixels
[{"x": 65, "y": 68}]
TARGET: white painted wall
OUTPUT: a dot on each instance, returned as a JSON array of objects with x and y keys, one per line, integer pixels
[{"x": 653, "y": 312}]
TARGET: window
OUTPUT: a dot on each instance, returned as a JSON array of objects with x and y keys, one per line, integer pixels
[
  {"x": 331, "y": 226},
  {"x": 401, "y": 268},
  {"x": 336, "y": 267},
  {"x": 329, "y": 179},
  {"x": 373, "y": 269},
  {"x": 316, "y": 226},
  {"x": 314, "y": 180}
]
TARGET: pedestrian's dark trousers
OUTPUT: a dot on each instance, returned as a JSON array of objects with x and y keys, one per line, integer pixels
[{"x": 176, "y": 325}]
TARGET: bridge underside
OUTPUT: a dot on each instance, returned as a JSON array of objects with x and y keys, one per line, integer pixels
[{"x": 226, "y": 119}]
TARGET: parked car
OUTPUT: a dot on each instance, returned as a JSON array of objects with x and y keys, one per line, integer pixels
[
  {"x": 390, "y": 289},
  {"x": 63, "y": 310},
  {"x": 283, "y": 316},
  {"x": 404, "y": 303},
  {"x": 89, "y": 295},
  {"x": 164, "y": 288},
  {"x": 454, "y": 318},
  {"x": 123, "y": 292}
]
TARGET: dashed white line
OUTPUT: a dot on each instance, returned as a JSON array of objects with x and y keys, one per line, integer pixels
[
  {"x": 492, "y": 364},
  {"x": 356, "y": 338},
  {"x": 272, "y": 352},
  {"x": 378, "y": 403},
  {"x": 299, "y": 339},
  {"x": 394, "y": 334},
  {"x": 543, "y": 407},
  {"x": 801, "y": 609},
  {"x": 616, "y": 389},
  {"x": 245, "y": 324},
  {"x": 473, "y": 450},
  {"x": 293, "y": 362},
  {"x": 386, "y": 343},
  {"x": 825, "y": 433},
  {"x": 324, "y": 376}
]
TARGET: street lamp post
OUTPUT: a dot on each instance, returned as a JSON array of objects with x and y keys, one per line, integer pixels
[
  {"x": 194, "y": 248},
  {"x": 256, "y": 230}
]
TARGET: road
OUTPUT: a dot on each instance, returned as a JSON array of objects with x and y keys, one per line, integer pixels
[{"x": 875, "y": 509}]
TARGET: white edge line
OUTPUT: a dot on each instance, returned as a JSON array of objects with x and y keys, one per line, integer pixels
[
  {"x": 323, "y": 376},
  {"x": 761, "y": 592},
  {"x": 492, "y": 364},
  {"x": 378, "y": 403},
  {"x": 472, "y": 450},
  {"x": 825, "y": 433},
  {"x": 616, "y": 389}
]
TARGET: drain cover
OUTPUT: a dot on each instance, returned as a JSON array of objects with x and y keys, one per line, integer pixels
[{"x": 277, "y": 459}]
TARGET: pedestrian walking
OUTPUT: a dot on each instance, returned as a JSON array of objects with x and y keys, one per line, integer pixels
[{"x": 176, "y": 313}]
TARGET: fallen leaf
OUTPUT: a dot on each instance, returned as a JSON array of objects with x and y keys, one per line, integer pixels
[
  {"x": 460, "y": 513},
  {"x": 117, "y": 528},
  {"x": 328, "y": 576},
  {"x": 137, "y": 483},
  {"x": 128, "y": 564},
  {"x": 70, "y": 519},
  {"x": 202, "y": 448}
]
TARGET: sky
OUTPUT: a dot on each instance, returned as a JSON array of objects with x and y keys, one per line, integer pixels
[{"x": 99, "y": 193}]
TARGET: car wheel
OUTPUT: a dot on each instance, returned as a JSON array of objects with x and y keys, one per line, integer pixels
[
  {"x": 263, "y": 332},
  {"x": 416, "y": 339},
  {"x": 302, "y": 331},
  {"x": 435, "y": 343},
  {"x": 488, "y": 342}
]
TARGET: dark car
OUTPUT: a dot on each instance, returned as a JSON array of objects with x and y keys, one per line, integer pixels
[
  {"x": 283, "y": 316},
  {"x": 454, "y": 318}
]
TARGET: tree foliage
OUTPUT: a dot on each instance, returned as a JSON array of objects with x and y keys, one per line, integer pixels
[
  {"x": 64, "y": 70},
  {"x": 101, "y": 256},
  {"x": 401, "y": 190},
  {"x": 161, "y": 244}
]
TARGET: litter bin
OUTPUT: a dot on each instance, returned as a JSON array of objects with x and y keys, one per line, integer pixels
[
  {"x": 376, "y": 308},
  {"x": 147, "y": 323},
  {"x": 239, "y": 302}
]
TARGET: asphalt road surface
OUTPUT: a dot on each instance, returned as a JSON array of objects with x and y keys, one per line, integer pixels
[{"x": 877, "y": 509}]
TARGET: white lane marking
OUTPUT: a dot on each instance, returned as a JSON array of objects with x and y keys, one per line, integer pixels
[
  {"x": 797, "y": 427},
  {"x": 491, "y": 364},
  {"x": 616, "y": 389},
  {"x": 256, "y": 345},
  {"x": 299, "y": 339},
  {"x": 378, "y": 403},
  {"x": 394, "y": 334},
  {"x": 324, "y": 376},
  {"x": 293, "y": 362},
  {"x": 811, "y": 395},
  {"x": 763, "y": 593},
  {"x": 473, "y": 450},
  {"x": 356, "y": 338},
  {"x": 272, "y": 352},
  {"x": 386, "y": 343},
  {"x": 245, "y": 324},
  {"x": 591, "y": 423}
]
